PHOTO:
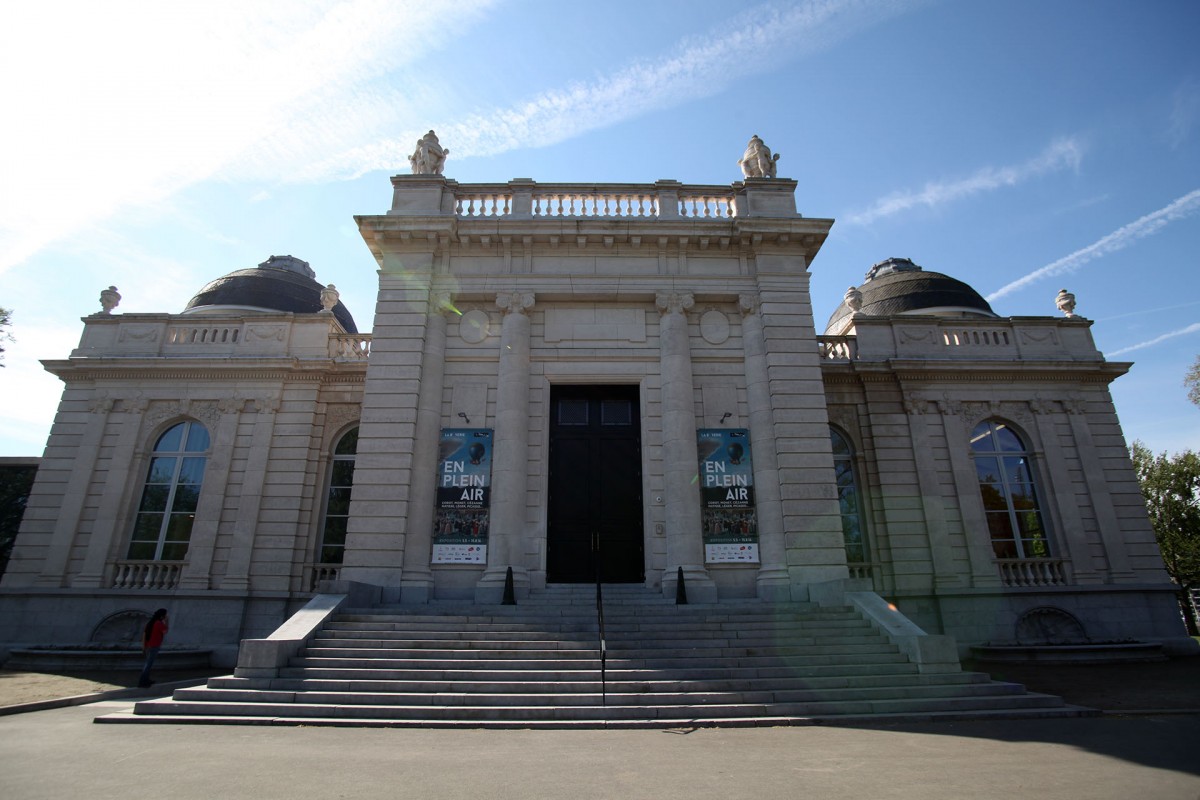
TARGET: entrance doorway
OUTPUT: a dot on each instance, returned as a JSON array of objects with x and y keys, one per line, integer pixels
[{"x": 595, "y": 505}]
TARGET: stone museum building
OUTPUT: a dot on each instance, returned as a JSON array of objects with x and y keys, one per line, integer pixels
[{"x": 567, "y": 381}]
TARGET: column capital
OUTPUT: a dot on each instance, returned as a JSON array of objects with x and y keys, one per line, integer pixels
[
  {"x": 749, "y": 303},
  {"x": 674, "y": 302},
  {"x": 515, "y": 302}
]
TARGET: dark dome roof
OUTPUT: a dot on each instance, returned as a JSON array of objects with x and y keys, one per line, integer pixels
[
  {"x": 281, "y": 283},
  {"x": 898, "y": 286}
]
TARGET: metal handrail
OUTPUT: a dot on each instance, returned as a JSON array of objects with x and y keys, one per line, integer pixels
[{"x": 600, "y": 617}]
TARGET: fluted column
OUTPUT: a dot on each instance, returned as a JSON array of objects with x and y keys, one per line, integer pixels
[
  {"x": 773, "y": 580},
  {"x": 510, "y": 459},
  {"x": 685, "y": 546},
  {"x": 417, "y": 581}
]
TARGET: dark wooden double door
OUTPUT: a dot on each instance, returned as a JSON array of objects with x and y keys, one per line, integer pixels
[{"x": 595, "y": 503}]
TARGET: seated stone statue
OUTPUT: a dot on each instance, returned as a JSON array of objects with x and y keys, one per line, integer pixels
[
  {"x": 430, "y": 156},
  {"x": 758, "y": 161}
]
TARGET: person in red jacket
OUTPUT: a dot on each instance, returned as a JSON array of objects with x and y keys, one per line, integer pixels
[{"x": 152, "y": 639}]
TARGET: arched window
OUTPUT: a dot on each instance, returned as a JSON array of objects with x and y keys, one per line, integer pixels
[
  {"x": 1006, "y": 483},
  {"x": 337, "y": 501},
  {"x": 848, "y": 499},
  {"x": 168, "y": 508}
]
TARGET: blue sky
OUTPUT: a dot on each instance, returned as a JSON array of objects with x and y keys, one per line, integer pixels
[{"x": 1020, "y": 146}]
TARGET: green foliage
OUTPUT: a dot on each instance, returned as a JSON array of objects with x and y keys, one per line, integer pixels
[
  {"x": 1171, "y": 486},
  {"x": 1192, "y": 381},
  {"x": 5, "y": 335},
  {"x": 15, "y": 484}
]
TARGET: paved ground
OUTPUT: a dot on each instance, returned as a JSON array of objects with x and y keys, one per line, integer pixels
[{"x": 60, "y": 753}]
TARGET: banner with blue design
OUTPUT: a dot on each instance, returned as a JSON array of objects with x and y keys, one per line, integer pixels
[
  {"x": 464, "y": 481},
  {"x": 728, "y": 520}
]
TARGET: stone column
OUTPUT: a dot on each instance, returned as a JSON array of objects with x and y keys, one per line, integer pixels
[
  {"x": 417, "y": 580},
  {"x": 1090, "y": 458},
  {"x": 932, "y": 501},
  {"x": 241, "y": 549},
  {"x": 197, "y": 573},
  {"x": 510, "y": 457},
  {"x": 966, "y": 483},
  {"x": 773, "y": 581},
  {"x": 1057, "y": 492},
  {"x": 104, "y": 530},
  {"x": 685, "y": 546}
]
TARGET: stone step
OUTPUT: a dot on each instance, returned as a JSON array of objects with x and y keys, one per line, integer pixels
[
  {"x": 643, "y": 625},
  {"x": 626, "y": 681},
  {"x": 482, "y": 714},
  {"x": 593, "y": 697},
  {"x": 503, "y": 641},
  {"x": 354, "y": 670},
  {"x": 540, "y": 650}
]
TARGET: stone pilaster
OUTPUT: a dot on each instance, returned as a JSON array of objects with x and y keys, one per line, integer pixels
[
  {"x": 966, "y": 487},
  {"x": 932, "y": 501},
  {"x": 104, "y": 530},
  {"x": 773, "y": 581},
  {"x": 237, "y": 571},
  {"x": 417, "y": 582},
  {"x": 685, "y": 545},
  {"x": 510, "y": 459}
]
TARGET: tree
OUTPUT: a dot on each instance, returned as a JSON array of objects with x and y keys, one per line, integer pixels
[
  {"x": 16, "y": 481},
  {"x": 5, "y": 336},
  {"x": 1192, "y": 381},
  {"x": 1171, "y": 486}
]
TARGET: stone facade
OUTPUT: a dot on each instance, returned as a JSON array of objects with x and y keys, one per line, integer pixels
[{"x": 492, "y": 295}]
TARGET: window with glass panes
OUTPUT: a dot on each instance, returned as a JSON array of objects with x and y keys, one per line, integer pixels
[
  {"x": 337, "y": 500},
  {"x": 1003, "y": 466},
  {"x": 165, "y": 515},
  {"x": 848, "y": 499}
]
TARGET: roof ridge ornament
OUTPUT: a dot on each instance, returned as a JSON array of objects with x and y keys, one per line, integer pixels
[
  {"x": 430, "y": 157},
  {"x": 757, "y": 162}
]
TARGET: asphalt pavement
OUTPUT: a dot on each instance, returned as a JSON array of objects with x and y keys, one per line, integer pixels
[{"x": 60, "y": 753}]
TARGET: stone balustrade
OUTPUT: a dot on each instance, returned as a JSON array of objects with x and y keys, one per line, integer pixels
[
  {"x": 350, "y": 346},
  {"x": 315, "y": 573},
  {"x": 157, "y": 575},
  {"x": 666, "y": 199},
  {"x": 940, "y": 338},
  {"x": 837, "y": 348},
  {"x": 267, "y": 335},
  {"x": 1033, "y": 572}
]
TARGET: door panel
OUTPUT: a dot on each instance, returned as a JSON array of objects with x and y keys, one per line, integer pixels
[{"x": 595, "y": 503}]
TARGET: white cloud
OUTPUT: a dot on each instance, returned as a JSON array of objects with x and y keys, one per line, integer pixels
[
  {"x": 699, "y": 67},
  {"x": 1117, "y": 240},
  {"x": 1060, "y": 154},
  {"x": 1193, "y": 328},
  {"x": 134, "y": 100},
  {"x": 1185, "y": 111}
]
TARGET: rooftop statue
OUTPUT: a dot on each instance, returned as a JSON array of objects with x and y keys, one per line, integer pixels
[
  {"x": 429, "y": 157},
  {"x": 758, "y": 161}
]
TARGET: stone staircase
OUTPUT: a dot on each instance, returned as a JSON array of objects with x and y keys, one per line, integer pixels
[{"x": 537, "y": 665}]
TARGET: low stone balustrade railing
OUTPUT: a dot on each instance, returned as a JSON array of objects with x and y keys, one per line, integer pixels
[
  {"x": 146, "y": 574},
  {"x": 574, "y": 201},
  {"x": 350, "y": 346},
  {"x": 315, "y": 573},
  {"x": 976, "y": 337},
  {"x": 1017, "y": 572},
  {"x": 837, "y": 348},
  {"x": 203, "y": 334},
  {"x": 861, "y": 570}
]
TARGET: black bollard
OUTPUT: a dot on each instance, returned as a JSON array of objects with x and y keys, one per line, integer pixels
[
  {"x": 510, "y": 595},
  {"x": 680, "y": 589}
]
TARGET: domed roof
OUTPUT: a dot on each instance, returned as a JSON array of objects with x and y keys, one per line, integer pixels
[
  {"x": 281, "y": 283},
  {"x": 898, "y": 286}
]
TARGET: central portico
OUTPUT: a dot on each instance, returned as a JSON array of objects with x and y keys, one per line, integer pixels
[{"x": 594, "y": 335}]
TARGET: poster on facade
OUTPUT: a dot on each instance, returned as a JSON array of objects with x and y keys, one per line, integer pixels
[
  {"x": 727, "y": 515},
  {"x": 464, "y": 480}
]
